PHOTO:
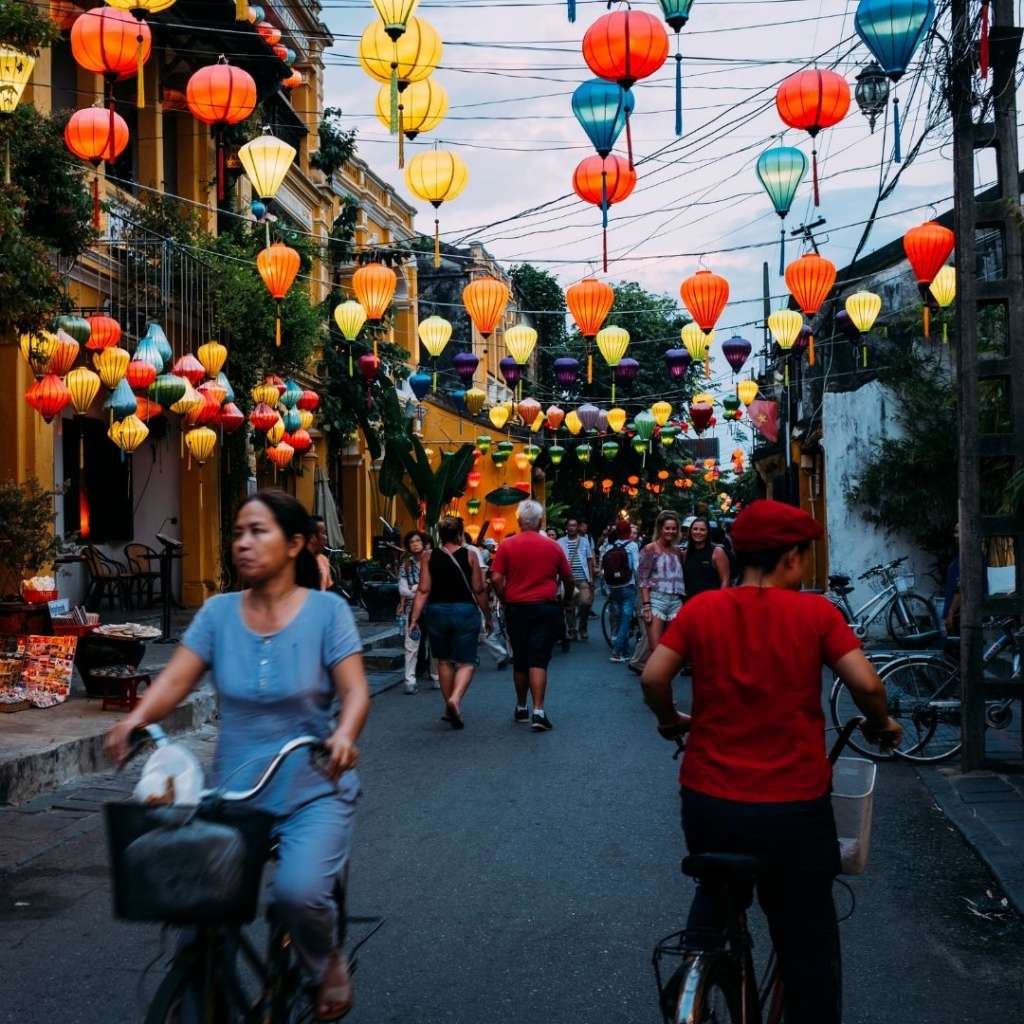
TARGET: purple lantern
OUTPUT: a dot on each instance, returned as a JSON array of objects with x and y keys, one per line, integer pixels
[
  {"x": 678, "y": 362},
  {"x": 847, "y": 326},
  {"x": 803, "y": 339},
  {"x": 589, "y": 416},
  {"x": 566, "y": 370},
  {"x": 626, "y": 371},
  {"x": 602, "y": 420},
  {"x": 465, "y": 366},
  {"x": 511, "y": 371},
  {"x": 736, "y": 351}
]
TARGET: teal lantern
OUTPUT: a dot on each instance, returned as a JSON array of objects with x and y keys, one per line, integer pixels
[
  {"x": 556, "y": 453},
  {"x": 292, "y": 394},
  {"x": 483, "y": 442},
  {"x": 893, "y": 30},
  {"x": 780, "y": 171},
  {"x": 155, "y": 334},
  {"x": 531, "y": 451},
  {"x": 76, "y": 327},
  {"x": 583, "y": 453},
  {"x": 229, "y": 391},
  {"x": 147, "y": 352},
  {"x": 677, "y": 14},
  {"x": 602, "y": 108},
  {"x": 292, "y": 421},
  {"x": 473, "y": 504},
  {"x": 121, "y": 402},
  {"x": 610, "y": 449},
  {"x": 168, "y": 389},
  {"x": 645, "y": 424}
]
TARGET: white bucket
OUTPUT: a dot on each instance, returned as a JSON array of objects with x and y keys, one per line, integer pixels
[{"x": 853, "y": 796}]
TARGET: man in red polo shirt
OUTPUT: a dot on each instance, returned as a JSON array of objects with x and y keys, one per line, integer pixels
[
  {"x": 525, "y": 574},
  {"x": 755, "y": 777}
]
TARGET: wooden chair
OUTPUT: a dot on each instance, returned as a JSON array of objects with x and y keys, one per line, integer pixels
[
  {"x": 144, "y": 572},
  {"x": 107, "y": 579}
]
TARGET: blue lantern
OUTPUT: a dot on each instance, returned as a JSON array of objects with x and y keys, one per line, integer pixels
[
  {"x": 229, "y": 391},
  {"x": 893, "y": 30},
  {"x": 155, "y": 334},
  {"x": 780, "y": 171},
  {"x": 121, "y": 402},
  {"x": 259, "y": 209},
  {"x": 602, "y": 109},
  {"x": 147, "y": 352},
  {"x": 419, "y": 382},
  {"x": 458, "y": 396}
]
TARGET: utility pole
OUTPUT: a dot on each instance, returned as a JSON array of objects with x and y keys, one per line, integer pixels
[
  {"x": 806, "y": 231},
  {"x": 996, "y": 455}
]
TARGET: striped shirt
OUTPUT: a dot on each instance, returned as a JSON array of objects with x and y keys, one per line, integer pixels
[{"x": 579, "y": 553}]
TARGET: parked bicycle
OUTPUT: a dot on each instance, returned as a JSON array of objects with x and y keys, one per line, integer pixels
[
  {"x": 925, "y": 693},
  {"x": 216, "y": 975},
  {"x": 610, "y": 624},
  {"x": 910, "y": 618},
  {"x": 716, "y": 981}
]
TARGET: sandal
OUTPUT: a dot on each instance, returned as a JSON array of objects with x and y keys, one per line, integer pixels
[
  {"x": 453, "y": 717},
  {"x": 334, "y": 998}
]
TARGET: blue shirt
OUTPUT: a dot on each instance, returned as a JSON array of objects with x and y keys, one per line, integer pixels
[{"x": 272, "y": 688}]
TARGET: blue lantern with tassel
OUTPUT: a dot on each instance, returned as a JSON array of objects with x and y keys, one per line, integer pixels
[
  {"x": 780, "y": 171},
  {"x": 677, "y": 14},
  {"x": 602, "y": 108}
]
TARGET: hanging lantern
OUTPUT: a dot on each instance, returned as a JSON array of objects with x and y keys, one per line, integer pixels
[
  {"x": 612, "y": 343},
  {"x": 308, "y": 400},
  {"x": 37, "y": 350},
  {"x": 661, "y": 411},
  {"x": 927, "y": 247},
  {"x": 220, "y": 95},
  {"x": 863, "y": 308},
  {"x": 306, "y": 419},
  {"x": 212, "y": 356},
  {"x": 705, "y": 295},
  {"x": 610, "y": 449},
  {"x": 624, "y": 47},
  {"x": 529, "y": 410},
  {"x": 604, "y": 181},
  {"x": 190, "y": 368},
  {"x": 698, "y": 344},
  {"x": 140, "y": 375},
  {"x": 483, "y": 443},
  {"x": 485, "y": 299},
  {"x": 212, "y": 391},
  {"x": 299, "y": 440},
  {"x": 434, "y": 333},
  {"x": 465, "y": 364},
  {"x": 263, "y": 417},
  {"x": 96, "y": 135},
  {"x": 872, "y": 92},
  {"x": 276, "y": 431},
  {"x": 475, "y": 399},
  {"x": 589, "y": 301},
  {"x": 677, "y": 362},
  {"x": 75, "y": 327},
  {"x": 147, "y": 352},
  {"x": 785, "y": 325},
  {"x": 189, "y": 401},
  {"x": 291, "y": 419},
  {"x": 602, "y": 109},
  {"x": 155, "y": 336},
  {"x": 556, "y": 453},
  {"x": 230, "y": 418},
  {"x": 131, "y": 434},
  {"x": 499, "y": 415},
  {"x": 617, "y": 419},
  {"x": 167, "y": 389},
  {"x": 104, "y": 332},
  {"x": 588, "y": 416},
  {"x": 437, "y": 176},
  {"x": 48, "y": 396},
  {"x": 266, "y": 161},
  {"x": 414, "y": 56},
  {"x": 64, "y": 354},
  {"x": 200, "y": 443},
  {"x": 667, "y": 434},
  {"x": 554, "y": 417},
  {"x": 780, "y": 171},
  {"x": 108, "y": 41},
  {"x": 520, "y": 342},
  {"x": 374, "y": 285},
  {"x": 15, "y": 71},
  {"x": 422, "y": 106},
  {"x": 510, "y": 370},
  {"x": 281, "y": 454},
  {"x": 747, "y": 391},
  {"x": 812, "y": 100},
  {"x": 810, "y": 279},
  {"x": 111, "y": 364},
  {"x": 736, "y": 351},
  {"x": 266, "y": 394},
  {"x": 278, "y": 265},
  {"x": 350, "y": 317},
  {"x": 626, "y": 371},
  {"x": 583, "y": 453},
  {"x": 369, "y": 367},
  {"x": 121, "y": 402},
  {"x": 291, "y": 394},
  {"x": 269, "y": 33},
  {"x": 566, "y": 370},
  {"x": 204, "y": 412},
  {"x": 83, "y": 386},
  {"x": 473, "y": 506},
  {"x": 700, "y": 416},
  {"x": 943, "y": 289}
]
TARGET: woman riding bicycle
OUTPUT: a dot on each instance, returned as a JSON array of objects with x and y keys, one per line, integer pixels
[
  {"x": 755, "y": 777},
  {"x": 278, "y": 654}
]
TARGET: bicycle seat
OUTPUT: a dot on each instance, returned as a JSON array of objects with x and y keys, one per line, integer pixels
[
  {"x": 839, "y": 580},
  {"x": 722, "y": 866},
  {"x": 841, "y": 590}
]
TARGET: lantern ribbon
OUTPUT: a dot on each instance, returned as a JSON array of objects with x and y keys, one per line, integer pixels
[
  {"x": 604, "y": 220},
  {"x": 782, "y": 250},
  {"x": 629, "y": 142},
  {"x": 810, "y": 350},
  {"x": 572, "y": 11},
  {"x": 864, "y": 355},
  {"x": 277, "y": 325},
  {"x": 897, "y": 154},
  {"x": 983, "y": 46},
  {"x": 401, "y": 141},
  {"x": 394, "y": 127},
  {"x": 350, "y": 367},
  {"x": 437, "y": 247},
  {"x": 679, "y": 89},
  {"x": 140, "y": 86},
  {"x": 814, "y": 174},
  {"x": 590, "y": 361},
  {"x": 241, "y": 10},
  {"x": 96, "y": 200}
]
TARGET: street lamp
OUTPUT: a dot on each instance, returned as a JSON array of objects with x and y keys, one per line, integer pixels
[{"x": 872, "y": 92}]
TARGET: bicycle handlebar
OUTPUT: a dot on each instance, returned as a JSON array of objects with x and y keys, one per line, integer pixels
[{"x": 888, "y": 567}]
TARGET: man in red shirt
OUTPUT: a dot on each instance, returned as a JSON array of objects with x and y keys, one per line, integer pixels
[
  {"x": 525, "y": 574},
  {"x": 755, "y": 778}
]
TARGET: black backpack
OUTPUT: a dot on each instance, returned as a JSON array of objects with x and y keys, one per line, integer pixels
[{"x": 615, "y": 566}]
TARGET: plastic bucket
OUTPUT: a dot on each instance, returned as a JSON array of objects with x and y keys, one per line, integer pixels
[{"x": 853, "y": 797}]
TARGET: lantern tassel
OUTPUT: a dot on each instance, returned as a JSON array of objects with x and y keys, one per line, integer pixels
[
  {"x": 810, "y": 351},
  {"x": 927, "y": 321},
  {"x": 786, "y": 375},
  {"x": 613, "y": 390},
  {"x": 376, "y": 357},
  {"x": 945, "y": 333},
  {"x": 782, "y": 250},
  {"x": 864, "y": 356},
  {"x": 277, "y": 330},
  {"x": 140, "y": 82},
  {"x": 572, "y": 11},
  {"x": 983, "y": 47},
  {"x": 897, "y": 154},
  {"x": 679, "y": 89},
  {"x": 604, "y": 215},
  {"x": 629, "y": 142},
  {"x": 590, "y": 365},
  {"x": 96, "y": 200},
  {"x": 814, "y": 175},
  {"x": 401, "y": 150},
  {"x": 241, "y": 10},
  {"x": 437, "y": 244},
  {"x": 394, "y": 98},
  {"x": 350, "y": 367}
]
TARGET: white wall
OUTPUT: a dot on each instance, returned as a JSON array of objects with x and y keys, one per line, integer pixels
[{"x": 852, "y": 423}]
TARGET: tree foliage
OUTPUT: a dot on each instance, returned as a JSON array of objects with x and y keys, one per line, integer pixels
[
  {"x": 337, "y": 144},
  {"x": 406, "y": 473},
  {"x": 25, "y": 26},
  {"x": 27, "y": 541}
]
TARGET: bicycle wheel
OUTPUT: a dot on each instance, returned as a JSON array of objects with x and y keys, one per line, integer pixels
[
  {"x": 169, "y": 1003},
  {"x": 924, "y": 697},
  {"x": 843, "y": 707},
  {"x": 710, "y": 993},
  {"x": 609, "y": 622},
  {"x": 917, "y": 616}
]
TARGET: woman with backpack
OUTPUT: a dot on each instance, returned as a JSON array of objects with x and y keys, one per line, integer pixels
[
  {"x": 618, "y": 570},
  {"x": 705, "y": 564}
]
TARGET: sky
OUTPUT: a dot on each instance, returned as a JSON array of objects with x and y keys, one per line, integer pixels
[{"x": 510, "y": 67}]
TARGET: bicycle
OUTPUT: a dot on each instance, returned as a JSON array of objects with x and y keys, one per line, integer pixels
[
  {"x": 204, "y": 984},
  {"x": 924, "y": 695},
  {"x": 716, "y": 982},
  {"x": 912, "y": 619},
  {"x": 610, "y": 625}
]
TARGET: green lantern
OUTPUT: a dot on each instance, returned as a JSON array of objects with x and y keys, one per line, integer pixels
[
  {"x": 645, "y": 424},
  {"x": 168, "y": 389},
  {"x": 730, "y": 404},
  {"x": 499, "y": 458},
  {"x": 505, "y": 447},
  {"x": 668, "y": 434},
  {"x": 532, "y": 452},
  {"x": 483, "y": 442},
  {"x": 610, "y": 449},
  {"x": 473, "y": 505},
  {"x": 556, "y": 453},
  {"x": 583, "y": 453},
  {"x": 639, "y": 445},
  {"x": 75, "y": 326}
]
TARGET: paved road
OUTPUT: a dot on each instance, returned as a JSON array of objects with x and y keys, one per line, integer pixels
[{"x": 524, "y": 880}]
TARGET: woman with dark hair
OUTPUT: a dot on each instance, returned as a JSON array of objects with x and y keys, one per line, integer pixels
[
  {"x": 450, "y": 599},
  {"x": 415, "y": 543},
  {"x": 278, "y": 653},
  {"x": 705, "y": 564}
]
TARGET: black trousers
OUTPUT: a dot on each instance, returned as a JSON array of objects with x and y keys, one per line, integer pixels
[{"x": 798, "y": 842}]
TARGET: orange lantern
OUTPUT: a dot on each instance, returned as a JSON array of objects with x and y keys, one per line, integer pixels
[
  {"x": 140, "y": 374},
  {"x": 485, "y": 300},
  {"x": 112, "y": 43},
  {"x": 65, "y": 352},
  {"x": 278, "y": 264},
  {"x": 705, "y": 295},
  {"x": 604, "y": 181},
  {"x": 48, "y": 396},
  {"x": 927, "y": 247},
  {"x": 96, "y": 135},
  {"x": 589, "y": 301},
  {"x": 104, "y": 332},
  {"x": 554, "y": 417},
  {"x": 281, "y": 454},
  {"x": 374, "y": 285},
  {"x": 529, "y": 410},
  {"x": 498, "y": 525},
  {"x": 810, "y": 279}
]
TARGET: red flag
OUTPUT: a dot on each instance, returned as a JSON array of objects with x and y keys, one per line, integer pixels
[{"x": 765, "y": 418}]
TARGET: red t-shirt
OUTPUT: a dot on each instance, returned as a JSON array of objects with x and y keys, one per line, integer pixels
[
  {"x": 758, "y": 726},
  {"x": 531, "y": 564}
]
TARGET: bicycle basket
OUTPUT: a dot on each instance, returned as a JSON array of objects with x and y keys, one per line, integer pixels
[
  {"x": 169, "y": 866},
  {"x": 905, "y": 582},
  {"x": 853, "y": 796}
]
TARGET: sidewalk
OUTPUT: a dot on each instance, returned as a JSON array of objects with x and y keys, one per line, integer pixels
[{"x": 43, "y": 748}]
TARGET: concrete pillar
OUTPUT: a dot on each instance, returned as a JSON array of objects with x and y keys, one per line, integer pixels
[{"x": 28, "y": 451}]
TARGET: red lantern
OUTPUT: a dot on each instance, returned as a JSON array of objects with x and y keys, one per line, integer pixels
[
  {"x": 203, "y": 413},
  {"x": 299, "y": 440},
  {"x": 146, "y": 409},
  {"x": 473, "y": 478},
  {"x": 813, "y": 100},
  {"x": 280, "y": 52},
  {"x": 369, "y": 367},
  {"x": 310, "y": 401},
  {"x": 278, "y": 264},
  {"x": 48, "y": 396},
  {"x": 190, "y": 368},
  {"x": 498, "y": 525},
  {"x": 270, "y": 34},
  {"x": 140, "y": 374},
  {"x": 105, "y": 332},
  {"x": 65, "y": 352},
  {"x": 601, "y": 180},
  {"x": 280, "y": 454},
  {"x": 702, "y": 419},
  {"x": 96, "y": 135},
  {"x": 263, "y": 417},
  {"x": 927, "y": 247},
  {"x": 105, "y": 40},
  {"x": 230, "y": 418},
  {"x": 810, "y": 279},
  {"x": 705, "y": 295},
  {"x": 278, "y": 382},
  {"x": 294, "y": 80},
  {"x": 218, "y": 95}
]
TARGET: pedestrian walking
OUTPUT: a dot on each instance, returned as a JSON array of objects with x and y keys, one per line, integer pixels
[
  {"x": 492, "y": 638},
  {"x": 705, "y": 564},
  {"x": 579, "y": 551},
  {"x": 660, "y": 577},
  {"x": 417, "y": 650},
  {"x": 525, "y": 573},
  {"x": 317, "y": 545},
  {"x": 618, "y": 569},
  {"x": 450, "y": 598}
]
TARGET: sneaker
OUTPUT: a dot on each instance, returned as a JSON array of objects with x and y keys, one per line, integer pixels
[
  {"x": 617, "y": 658},
  {"x": 540, "y": 722},
  {"x": 521, "y": 714},
  {"x": 435, "y": 683},
  {"x": 411, "y": 688}
]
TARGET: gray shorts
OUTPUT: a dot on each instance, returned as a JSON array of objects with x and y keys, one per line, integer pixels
[{"x": 665, "y": 606}]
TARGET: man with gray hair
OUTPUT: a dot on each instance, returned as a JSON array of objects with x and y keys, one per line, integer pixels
[{"x": 525, "y": 573}]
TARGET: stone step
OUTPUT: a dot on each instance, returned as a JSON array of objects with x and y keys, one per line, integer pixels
[{"x": 382, "y": 659}]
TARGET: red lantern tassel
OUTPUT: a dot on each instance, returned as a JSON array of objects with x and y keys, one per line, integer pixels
[
  {"x": 810, "y": 351},
  {"x": 220, "y": 166},
  {"x": 96, "y": 200},
  {"x": 814, "y": 175},
  {"x": 983, "y": 52}
]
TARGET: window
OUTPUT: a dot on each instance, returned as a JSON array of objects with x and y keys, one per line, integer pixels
[
  {"x": 103, "y": 510},
  {"x": 64, "y": 78}
]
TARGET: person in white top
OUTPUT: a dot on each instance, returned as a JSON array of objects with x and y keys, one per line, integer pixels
[{"x": 579, "y": 550}]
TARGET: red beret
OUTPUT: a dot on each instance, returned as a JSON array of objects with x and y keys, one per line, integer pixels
[
  {"x": 623, "y": 530},
  {"x": 764, "y": 525}
]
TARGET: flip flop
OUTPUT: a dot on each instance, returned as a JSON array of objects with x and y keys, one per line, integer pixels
[
  {"x": 453, "y": 717},
  {"x": 335, "y": 1001}
]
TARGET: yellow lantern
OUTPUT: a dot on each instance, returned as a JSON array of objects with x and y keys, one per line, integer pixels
[
  {"x": 114, "y": 432},
  {"x": 131, "y": 433},
  {"x": 276, "y": 432},
  {"x": 499, "y": 415},
  {"x": 520, "y": 342},
  {"x": 698, "y": 344},
  {"x": 746, "y": 391},
  {"x": 266, "y": 160},
  {"x": 863, "y": 309},
  {"x": 190, "y": 400},
  {"x": 200, "y": 442},
  {"x": 421, "y": 108},
  {"x": 265, "y": 393},
  {"x": 661, "y": 412},
  {"x": 612, "y": 343},
  {"x": 350, "y": 317},
  {"x": 416, "y": 54},
  {"x": 84, "y": 385},
  {"x": 785, "y": 325},
  {"x": 703, "y": 398},
  {"x": 617, "y": 419},
  {"x": 212, "y": 355},
  {"x": 537, "y": 423},
  {"x": 474, "y": 399},
  {"x": 395, "y": 15},
  {"x": 943, "y": 288},
  {"x": 306, "y": 419},
  {"x": 111, "y": 365},
  {"x": 573, "y": 423},
  {"x": 436, "y": 177},
  {"x": 15, "y": 71},
  {"x": 38, "y": 350},
  {"x": 435, "y": 333}
]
